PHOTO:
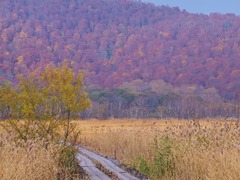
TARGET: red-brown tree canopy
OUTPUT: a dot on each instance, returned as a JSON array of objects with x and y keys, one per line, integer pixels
[{"x": 119, "y": 41}]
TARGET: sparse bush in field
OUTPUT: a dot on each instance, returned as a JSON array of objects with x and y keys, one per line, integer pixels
[
  {"x": 163, "y": 160},
  {"x": 141, "y": 164},
  {"x": 69, "y": 163}
]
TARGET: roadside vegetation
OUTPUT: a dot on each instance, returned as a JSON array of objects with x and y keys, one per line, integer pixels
[
  {"x": 169, "y": 149},
  {"x": 35, "y": 145},
  {"x": 36, "y": 159}
]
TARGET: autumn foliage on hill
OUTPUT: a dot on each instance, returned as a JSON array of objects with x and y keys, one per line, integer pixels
[{"x": 119, "y": 41}]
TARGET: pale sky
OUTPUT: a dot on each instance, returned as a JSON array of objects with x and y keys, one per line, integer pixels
[{"x": 202, "y": 6}]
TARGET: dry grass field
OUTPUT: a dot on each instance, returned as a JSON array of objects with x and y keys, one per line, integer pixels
[
  {"x": 169, "y": 149},
  {"x": 36, "y": 158},
  {"x": 161, "y": 149},
  {"x": 20, "y": 160}
]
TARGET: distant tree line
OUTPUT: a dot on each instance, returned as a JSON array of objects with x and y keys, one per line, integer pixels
[
  {"x": 58, "y": 94},
  {"x": 120, "y": 103}
]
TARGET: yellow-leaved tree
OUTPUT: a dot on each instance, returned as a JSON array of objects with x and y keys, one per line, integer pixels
[
  {"x": 53, "y": 97},
  {"x": 65, "y": 92},
  {"x": 9, "y": 101},
  {"x": 42, "y": 106}
]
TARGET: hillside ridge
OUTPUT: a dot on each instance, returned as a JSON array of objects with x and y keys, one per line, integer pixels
[{"x": 120, "y": 41}]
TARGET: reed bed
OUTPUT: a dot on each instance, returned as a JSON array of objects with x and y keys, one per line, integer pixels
[
  {"x": 169, "y": 149},
  {"x": 27, "y": 160},
  {"x": 36, "y": 158}
]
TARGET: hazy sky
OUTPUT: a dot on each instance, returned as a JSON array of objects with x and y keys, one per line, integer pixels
[{"x": 202, "y": 6}]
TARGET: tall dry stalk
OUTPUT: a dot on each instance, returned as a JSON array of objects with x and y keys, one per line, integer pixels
[
  {"x": 27, "y": 160},
  {"x": 35, "y": 159}
]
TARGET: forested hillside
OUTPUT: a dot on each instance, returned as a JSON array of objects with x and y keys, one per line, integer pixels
[{"x": 119, "y": 42}]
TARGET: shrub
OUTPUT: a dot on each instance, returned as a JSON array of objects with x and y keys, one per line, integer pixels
[{"x": 163, "y": 160}]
